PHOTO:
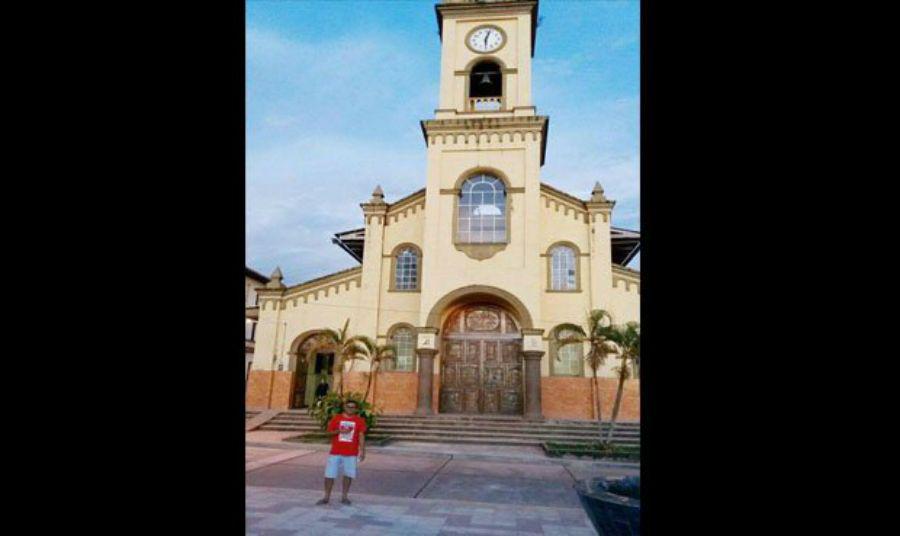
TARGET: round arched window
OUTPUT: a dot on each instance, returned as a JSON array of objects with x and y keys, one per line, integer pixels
[
  {"x": 404, "y": 342},
  {"x": 482, "y": 211},
  {"x": 563, "y": 270},
  {"x": 406, "y": 274}
]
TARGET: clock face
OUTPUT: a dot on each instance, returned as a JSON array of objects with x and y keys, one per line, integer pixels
[{"x": 485, "y": 39}]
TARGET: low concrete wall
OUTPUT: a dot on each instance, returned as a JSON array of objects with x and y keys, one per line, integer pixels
[{"x": 572, "y": 398}]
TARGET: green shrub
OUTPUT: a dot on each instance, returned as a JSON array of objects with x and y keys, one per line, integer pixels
[
  {"x": 594, "y": 450},
  {"x": 332, "y": 404}
]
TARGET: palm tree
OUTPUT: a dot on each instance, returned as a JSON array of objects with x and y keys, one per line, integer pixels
[
  {"x": 378, "y": 355},
  {"x": 597, "y": 336},
  {"x": 628, "y": 340},
  {"x": 345, "y": 348}
]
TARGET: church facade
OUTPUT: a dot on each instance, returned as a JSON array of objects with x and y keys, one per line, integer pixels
[{"x": 469, "y": 276}]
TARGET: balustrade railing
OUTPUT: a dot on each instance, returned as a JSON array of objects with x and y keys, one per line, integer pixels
[{"x": 485, "y": 104}]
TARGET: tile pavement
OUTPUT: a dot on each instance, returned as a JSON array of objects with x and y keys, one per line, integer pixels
[
  {"x": 430, "y": 493},
  {"x": 281, "y": 511}
]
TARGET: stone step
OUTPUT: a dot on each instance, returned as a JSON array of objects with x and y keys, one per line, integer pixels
[
  {"x": 271, "y": 425},
  {"x": 517, "y": 425},
  {"x": 415, "y": 418},
  {"x": 492, "y": 440},
  {"x": 444, "y": 428},
  {"x": 302, "y": 414},
  {"x": 480, "y": 436}
]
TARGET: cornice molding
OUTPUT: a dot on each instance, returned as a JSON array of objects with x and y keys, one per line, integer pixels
[
  {"x": 344, "y": 276},
  {"x": 467, "y": 125},
  {"x": 627, "y": 276}
]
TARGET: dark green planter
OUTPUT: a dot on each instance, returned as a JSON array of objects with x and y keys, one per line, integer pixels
[{"x": 611, "y": 514}]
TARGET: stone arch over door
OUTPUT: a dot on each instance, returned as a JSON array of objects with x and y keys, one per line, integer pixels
[
  {"x": 479, "y": 293},
  {"x": 304, "y": 379}
]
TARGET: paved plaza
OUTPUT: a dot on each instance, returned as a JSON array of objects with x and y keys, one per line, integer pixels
[{"x": 419, "y": 489}]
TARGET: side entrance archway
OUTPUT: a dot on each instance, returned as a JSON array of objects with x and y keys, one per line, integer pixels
[
  {"x": 309, "y": 370},
  {"x": 481, "y": 364}
]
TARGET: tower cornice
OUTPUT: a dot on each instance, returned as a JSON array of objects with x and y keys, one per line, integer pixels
[
  {"x": 491, "y": 7},
  {"x": 538, "y": 124}
]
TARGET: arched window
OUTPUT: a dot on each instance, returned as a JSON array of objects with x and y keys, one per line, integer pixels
[
  {"x": 406, "y": 268},
  {"x": 568, "y": 360},
  {"x": 404, "y": 341},
  {"x": 486, "y": 87},
  {"x": 563, "y": 268},
  {"x": 482, "y": 211}
]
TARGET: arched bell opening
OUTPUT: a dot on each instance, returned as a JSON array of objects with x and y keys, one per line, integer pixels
[{"x": 486, "y": 87}]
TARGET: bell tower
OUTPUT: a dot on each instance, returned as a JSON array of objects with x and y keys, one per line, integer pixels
[
  {"x": 486, "y": 54},
  {"x": 485, "y": 148}
]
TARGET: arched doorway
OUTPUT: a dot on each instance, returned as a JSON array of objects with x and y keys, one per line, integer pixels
[
  {"x": 481, "y": 363},
  {"x": 309, "y": 371}
]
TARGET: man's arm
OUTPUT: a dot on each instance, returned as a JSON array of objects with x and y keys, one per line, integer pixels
[
  {"x": 362, "y": 446},
  {"x": 332, "y": 428}
]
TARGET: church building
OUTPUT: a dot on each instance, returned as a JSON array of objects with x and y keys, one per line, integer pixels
[{"x": 469, "y": 276}]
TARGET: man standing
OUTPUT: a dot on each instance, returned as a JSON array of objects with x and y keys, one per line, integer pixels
[
  {"x": 321, "y": 389},
  {"x": 348, "y": 431}
]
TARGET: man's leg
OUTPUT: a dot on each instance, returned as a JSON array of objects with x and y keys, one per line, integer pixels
[
  {"x": 329, "y": 483},
  {"x": 349, "y": 466},
  {"x": 330, "y": 475}
]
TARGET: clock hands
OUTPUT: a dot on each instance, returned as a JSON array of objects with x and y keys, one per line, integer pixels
[{"x": 486, "y": 35}]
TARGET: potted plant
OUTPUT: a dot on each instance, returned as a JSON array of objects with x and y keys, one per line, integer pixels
[{"x": 613, "y": 506}]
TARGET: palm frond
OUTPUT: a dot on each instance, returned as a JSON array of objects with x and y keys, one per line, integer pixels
[
  {"x": 333, "y": 336},
  {"x": 561, "y": 328},
  {"x": 384, "y": 352},
  {"x": 367, "y": 342},
  {"x": 568, "y": 341},
  {"x": 598, "y": 319}
]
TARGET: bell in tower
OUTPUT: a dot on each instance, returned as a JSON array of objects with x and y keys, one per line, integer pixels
[{"x": 486, "y": 87}]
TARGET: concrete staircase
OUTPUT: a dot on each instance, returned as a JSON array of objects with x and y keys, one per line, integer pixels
[{"x": 481, "y": 429}]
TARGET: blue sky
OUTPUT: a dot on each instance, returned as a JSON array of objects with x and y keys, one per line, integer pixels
[{"x": 335, "y": 90}]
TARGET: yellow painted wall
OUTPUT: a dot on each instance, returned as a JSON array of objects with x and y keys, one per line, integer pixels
[{"x": 538, "y": 218}]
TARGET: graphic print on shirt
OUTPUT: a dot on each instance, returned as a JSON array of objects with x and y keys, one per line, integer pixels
[{"x": 346, "y": 429}]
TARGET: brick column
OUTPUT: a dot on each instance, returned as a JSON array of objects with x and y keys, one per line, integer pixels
[
  {"x": 426, "y": 372},
  {"x": 533, "y": 410}
]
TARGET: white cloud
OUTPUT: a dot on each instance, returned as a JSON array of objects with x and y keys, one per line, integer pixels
[{"x": 328, "y": 121}]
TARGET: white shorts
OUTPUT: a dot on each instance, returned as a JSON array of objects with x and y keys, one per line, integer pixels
[{"x": 347, "y": 463}]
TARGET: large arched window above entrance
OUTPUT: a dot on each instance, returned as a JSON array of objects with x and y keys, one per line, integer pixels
[
  {"x": 404, "y": 340},
  {"x": 482, "y": 214},
  {"x": 405, "y": 268},
  {"x": 567, "y": 360}
]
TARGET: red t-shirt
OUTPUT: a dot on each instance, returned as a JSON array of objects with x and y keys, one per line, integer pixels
[{"x": 346, "y": 443}]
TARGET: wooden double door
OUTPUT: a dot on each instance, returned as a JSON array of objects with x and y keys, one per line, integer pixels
[{"x": 481, "y": 363}]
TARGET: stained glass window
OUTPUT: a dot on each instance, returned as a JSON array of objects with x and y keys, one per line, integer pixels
[
  {"x": 407, "y": 270},
  {"x": 482, "y": 211},
  {"x": 562, "y": 266}
]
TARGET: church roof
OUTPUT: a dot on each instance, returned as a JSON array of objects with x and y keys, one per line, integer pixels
[{"x": 253, "y": 274}]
